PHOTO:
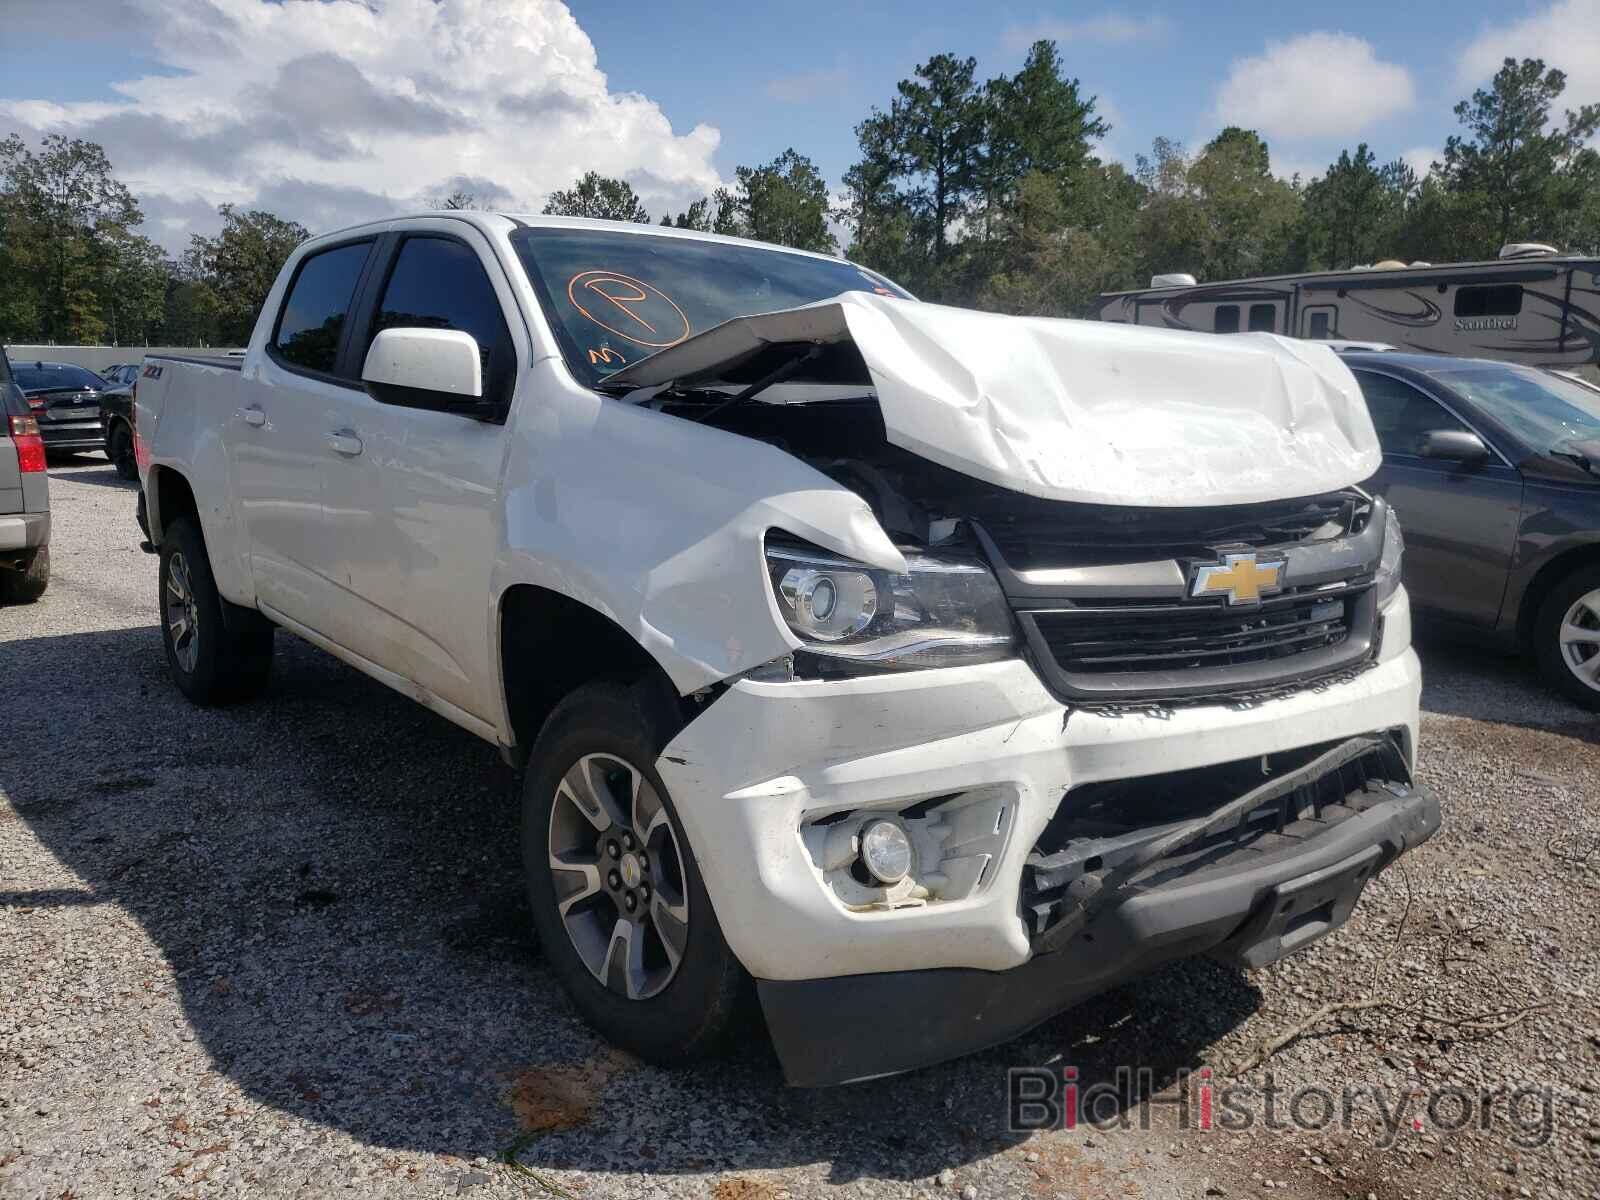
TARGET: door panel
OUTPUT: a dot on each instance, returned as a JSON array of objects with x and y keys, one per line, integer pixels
[
  {"x": 1460, "y": 520},
  {"x": 411, "y": 519},
  {"x": 275, "y": 439},
  {"x": 413, "y": 514},
  {"x": 275, "y": 445}
]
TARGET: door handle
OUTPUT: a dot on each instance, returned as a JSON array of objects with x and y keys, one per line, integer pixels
[
  {"x": 254, "y": 416},
  {"x": 343, "y": 441}
]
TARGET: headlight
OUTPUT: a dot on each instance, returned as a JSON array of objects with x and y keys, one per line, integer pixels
[
  {"x": 1389, "y": 562},
  {"x": 946, "y": 610}
]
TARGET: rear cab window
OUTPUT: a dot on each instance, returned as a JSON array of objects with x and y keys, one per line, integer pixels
[{"x": 317, "y": 306}]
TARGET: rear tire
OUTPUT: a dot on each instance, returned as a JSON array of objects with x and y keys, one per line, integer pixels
[
  {"x": 1566, "y": 637},
  {"x": 663, "y": 988},
  {"x": 213, "y": 660},
  {"x": 26, "y": 583},
  {"x": 119, "y": 449}
]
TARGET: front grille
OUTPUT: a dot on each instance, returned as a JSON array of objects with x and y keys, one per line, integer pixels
[
  {"x": 1177, "y": 637},
  {"x": 1102, "y": 595},
  {"x": 1032, "y": 533}
]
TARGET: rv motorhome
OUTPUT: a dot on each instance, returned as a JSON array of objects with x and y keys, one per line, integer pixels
[{"x": 1531, "y": 305}]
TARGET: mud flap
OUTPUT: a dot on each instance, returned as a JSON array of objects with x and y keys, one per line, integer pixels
[{"x": 1298, "y": 911}]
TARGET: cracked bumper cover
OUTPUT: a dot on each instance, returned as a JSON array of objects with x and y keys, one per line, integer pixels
[
  {"x": 851, "y": 994},
  {"x": 857, "y": 1027}
]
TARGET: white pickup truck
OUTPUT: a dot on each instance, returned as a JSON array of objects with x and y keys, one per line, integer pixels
[{"x": 931, "y": 668}]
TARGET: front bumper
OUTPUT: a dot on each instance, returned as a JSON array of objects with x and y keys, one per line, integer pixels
[
  {"x": 766, "y": 760},
  {"x": 861, "y": 1026}
]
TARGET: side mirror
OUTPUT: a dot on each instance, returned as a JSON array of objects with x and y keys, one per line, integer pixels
[
  {"x": 1454, "y": 445},
  {"x": 437, "y": 369}
]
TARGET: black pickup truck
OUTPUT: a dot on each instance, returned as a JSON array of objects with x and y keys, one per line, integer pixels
[{"x": 116, "y": 427}]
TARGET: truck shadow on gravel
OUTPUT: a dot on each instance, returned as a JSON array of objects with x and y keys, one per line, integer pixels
[
  {"x": 93, "y": 470},
  {"x": 333, "y": 875},
  {"x": 1464, "y": 679}
]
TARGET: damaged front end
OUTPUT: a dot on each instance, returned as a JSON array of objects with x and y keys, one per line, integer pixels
[
  {"x": 1112, "y": 842},
  {"x": 1177, "y": 706},
  {"x": 1102, "y": 598}
]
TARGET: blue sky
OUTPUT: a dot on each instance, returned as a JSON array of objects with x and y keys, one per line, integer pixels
[
  {"x": 1159, "y": 75},
  {"x": 329, "y": 108}
]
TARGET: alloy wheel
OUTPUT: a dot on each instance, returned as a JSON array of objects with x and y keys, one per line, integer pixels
[
  {"x": 1580, "y": 639},
  {"x": 181, "y": 614},
  {"x": 618, "y": 875}
]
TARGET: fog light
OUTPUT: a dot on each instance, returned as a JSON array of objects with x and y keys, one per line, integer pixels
[{"x": 885, "y": 851}]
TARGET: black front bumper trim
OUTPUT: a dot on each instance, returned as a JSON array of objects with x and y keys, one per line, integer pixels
[{"x": 857, "y": 1027}]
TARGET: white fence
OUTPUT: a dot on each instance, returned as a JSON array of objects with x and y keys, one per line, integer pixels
[{"x": 98, "y": 358}]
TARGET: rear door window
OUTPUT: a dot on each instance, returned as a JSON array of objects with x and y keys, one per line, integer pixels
[
  {"x": 439, "y": 283},
  {"x": 317, "y": 306}
]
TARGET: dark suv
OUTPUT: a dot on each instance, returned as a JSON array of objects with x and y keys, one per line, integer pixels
[{"x": 1494, "y": 471}]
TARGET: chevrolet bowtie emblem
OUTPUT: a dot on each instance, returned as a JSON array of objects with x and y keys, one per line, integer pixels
[{"x": 1239, "y": 577}]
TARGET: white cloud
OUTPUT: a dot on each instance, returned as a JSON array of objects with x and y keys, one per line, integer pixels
[
  {"x": 1328, "y": 85},
  {"x": 335, "y": 111},
  {"x": 1420, "y": 159},
  {"x": 1308, "y": 169},
  {"x": 1565, "y": 34},
  {"x": 1108, "y": 29},
  {"x": 802, "y": 87}
]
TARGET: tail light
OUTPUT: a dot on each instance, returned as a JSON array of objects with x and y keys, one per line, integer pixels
[
  {"x": 35, "y": 402},
  {"x": 30, "y": 446}
]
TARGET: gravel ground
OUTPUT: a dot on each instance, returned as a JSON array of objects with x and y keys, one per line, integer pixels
[{"x": 283, "y": 947}]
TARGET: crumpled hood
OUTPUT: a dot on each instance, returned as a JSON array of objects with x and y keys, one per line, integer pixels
[{"x": 1076, "y": 410}]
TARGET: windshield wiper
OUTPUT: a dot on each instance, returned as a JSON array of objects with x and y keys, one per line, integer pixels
[
  {"x": 1584, "y": 451},
  {"x": 777, "y": 375},
  {"x": 644, "y": 395}
]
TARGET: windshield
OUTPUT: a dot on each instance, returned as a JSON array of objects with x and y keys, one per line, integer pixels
[
  {"x": 41, "y": 376},
  {"x": 616, "y": 298},
  {"x": 1544, "y": 410}
]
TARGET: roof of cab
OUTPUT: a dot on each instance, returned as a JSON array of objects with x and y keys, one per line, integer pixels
[{"x": 506, "y": 222}]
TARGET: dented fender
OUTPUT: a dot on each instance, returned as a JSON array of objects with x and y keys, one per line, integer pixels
[{"x": 658, "y": 523}]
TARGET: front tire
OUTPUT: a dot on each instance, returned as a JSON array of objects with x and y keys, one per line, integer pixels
[
  {"x": 1566, "y": 637},
  {"x": 212, "y": 660},
  {"x": 618, "y": 903},
  {"x": 26, "y": 583}
]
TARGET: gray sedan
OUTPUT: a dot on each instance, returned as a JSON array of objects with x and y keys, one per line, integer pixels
[{"x": 1494, "y": 470}]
